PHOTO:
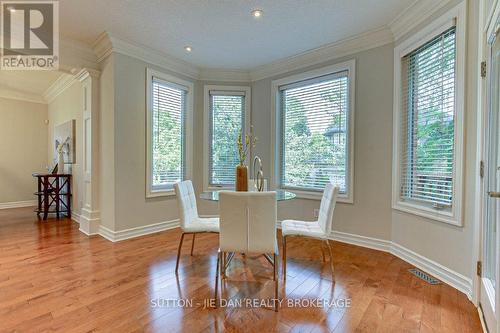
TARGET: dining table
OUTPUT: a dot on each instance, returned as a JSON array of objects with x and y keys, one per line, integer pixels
[{"x": 281, "y": 195}]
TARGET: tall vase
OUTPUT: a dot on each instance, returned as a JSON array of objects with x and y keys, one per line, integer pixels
[
  {"x": 242, "y": 178},
  {"x": 60, "y": 163}
]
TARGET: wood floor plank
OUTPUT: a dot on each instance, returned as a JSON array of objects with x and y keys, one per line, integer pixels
[{"x": 54, "y": 278}]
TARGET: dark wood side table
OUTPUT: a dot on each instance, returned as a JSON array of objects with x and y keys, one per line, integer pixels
[{"x": 53, "y": 194}]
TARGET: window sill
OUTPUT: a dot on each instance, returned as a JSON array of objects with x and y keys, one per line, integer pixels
[
  {"x": 160, "y": 193},
  {"x": 427, "y": 212},
  {"x": 218, "y": 188},
  {"x": 310, "y": 195}
]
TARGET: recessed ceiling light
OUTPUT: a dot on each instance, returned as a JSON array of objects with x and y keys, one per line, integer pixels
[
  {"x": 188, "y": 48},
  {"x": 257, "y": 13}
]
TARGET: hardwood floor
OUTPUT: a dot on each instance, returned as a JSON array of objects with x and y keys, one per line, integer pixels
[{"x": 54, "y": 278}]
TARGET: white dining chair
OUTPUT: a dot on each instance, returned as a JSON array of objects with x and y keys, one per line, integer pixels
[
  {"x": 247, "y": 225},
  {"x": 319, "y": 229},
  {"x": 191, "y": 223}
]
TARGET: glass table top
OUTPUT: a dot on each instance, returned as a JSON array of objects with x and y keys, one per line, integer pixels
[{"x": 281, "y": 195}]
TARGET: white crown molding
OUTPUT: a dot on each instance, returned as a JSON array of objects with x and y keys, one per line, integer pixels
[
  {"x": 361, "y": 42},
  {"x": 84, "y": 73},
  {"x": 419, "y": 11},
  {"x": 62, "y": 83},
  {"x": 106, "y": 43},
  {"x": 78, "y": 55},
  {"x": 74, "y": 54},
  {"x": 21, "y": 95},
  {"x": 224, "y": 75},
  {"x": 102, "y": 46},
  {"x": 17, "y": 204}
]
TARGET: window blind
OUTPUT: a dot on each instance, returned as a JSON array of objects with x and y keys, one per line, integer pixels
[
  {"x": 428, "y": 124},
  {"x": 168, "y": 130},
  {"x": 226, "y": 123},
  {"x": 314, "y": 147}
]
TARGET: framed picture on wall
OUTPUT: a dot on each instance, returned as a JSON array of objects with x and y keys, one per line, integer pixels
[{"x": 65, "y": 134}]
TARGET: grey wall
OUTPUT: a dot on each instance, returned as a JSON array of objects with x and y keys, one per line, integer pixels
[
  {"x": 133, "y": 209},
  {"x": 446, "y": 244},
  {"x": 68, "y": 105},
  {"x": 23, "y": 148},
  {"x": 107, "y": 179},
  {"x": 370, "y": 215}
]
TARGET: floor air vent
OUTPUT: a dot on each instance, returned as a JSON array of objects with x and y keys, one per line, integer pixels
[{"x": 424, "y": 276}]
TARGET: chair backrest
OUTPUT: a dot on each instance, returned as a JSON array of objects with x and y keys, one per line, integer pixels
[
  {"x": 252, "y": 185},
  {"x": 186, "y": 201},
  {"x": 247, "y": 222},
  {"x": 328, "y": 201}
]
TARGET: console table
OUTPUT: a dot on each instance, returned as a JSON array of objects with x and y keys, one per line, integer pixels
[{"x": 53, "y": 194}]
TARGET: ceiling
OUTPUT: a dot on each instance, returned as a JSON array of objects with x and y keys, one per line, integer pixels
[{"x": 223, "y": 33}]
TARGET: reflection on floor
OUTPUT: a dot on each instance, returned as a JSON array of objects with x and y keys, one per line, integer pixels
[{"x": 52, "y": 277}]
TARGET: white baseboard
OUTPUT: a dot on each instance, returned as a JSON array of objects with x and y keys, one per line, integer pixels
[
  {"x": 454, "y": 279},
  {"x": 448, "y": 276},
  {"x": 369, "y": 242},
  {"x": 75, "y": 217},
  {"x": 116, "y": 236},
  {"x": 18, "y": 204}
]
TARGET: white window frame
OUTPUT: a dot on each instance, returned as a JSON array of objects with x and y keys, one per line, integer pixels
[
  {"x": 206, "y": 122},
  {"x": 150, "y": 74},
  {"x": 350, "y": 67},
  {"x": 455, "y": 16}
]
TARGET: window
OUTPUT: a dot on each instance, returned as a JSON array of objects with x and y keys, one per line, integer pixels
[
  {"x": 429, "y": 121},
  {"x": 430, "y": 131},
  {"x": 315, "y": 111},
  {"x": 168, "y": 127},
  {"x": 226, "y": 117}
]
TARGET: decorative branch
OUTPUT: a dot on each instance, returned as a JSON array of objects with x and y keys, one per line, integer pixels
[{"x": 244, "y": 147}]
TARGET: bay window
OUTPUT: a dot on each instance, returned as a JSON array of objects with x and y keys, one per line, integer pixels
[
  {"x": 226, "y": 118},
  {"x": 429, "y": 122},
  {"x": 169, "y": 109},
  {"x": 314, "y": 115}
]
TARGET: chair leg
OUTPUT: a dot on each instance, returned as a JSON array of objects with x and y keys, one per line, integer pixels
[
  {"x": 276, "y": 303},
  {"x": 284, "y": 257},
  {"x": 217, "y": 279},
  {"x": 223, "y": 266},
  {"x": 331, "y": 258},
  {"x": 192, "y": 245},
  {"x": 323, "y": 252},
  {"x": 179, "y": 253}
]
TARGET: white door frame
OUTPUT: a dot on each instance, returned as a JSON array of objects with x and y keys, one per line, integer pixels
[{"x": 486, "y": 16}]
